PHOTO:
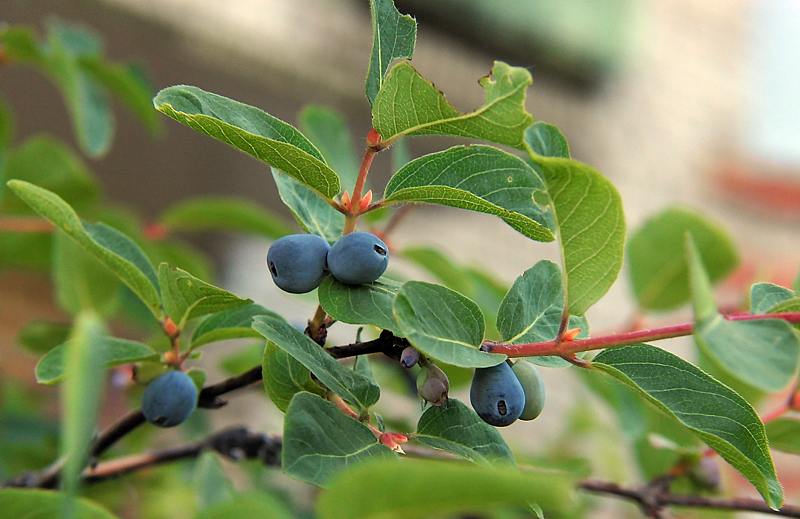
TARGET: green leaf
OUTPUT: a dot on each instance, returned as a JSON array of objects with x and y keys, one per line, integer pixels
[
  {"x": 784, "y": 435},
  {"x": 255, "y": 503},
  {"x": 370, "y": 303},
  {"x": 442, "y": 324},
  {"x": 284, "y": 377},
  {"x": 42, "y": 336},
  {"x": 250, "y": 130},
  {"x": 28, "y": 503},
  {"x": 128, "y": 84},
  {"x": 765, "y": 296},
  {"x": 531, "y": 310},
  {"x": 21, "y": 45},
  {"x": 478, "y": 178},
  {"x": 6, "y": 134},
  {"x": 790, "y": 305},
  {"x": 715, "y": 413},
  {"x": 319, "y": 440},
  {"x": 546, "y": 140},
  {"x": 76, "y": 39},
  {"x": 110, "y": 352},
  {"x": 212, "y": 485},
  {"x": 327, "y": 130},
  {"x": 83, "y": 372},
  {"x": 234, "y": 323},
  {"x": 352, "y": 386},
  {"x": 186, "y": 297},
  {"x": 428, "y": 488},
  {"x": 49, "y": 164},
  {"x": 591, "y": 228},
  {"x": 409, "y": 104},
  {"x": 88, "y": 104},
  {"x": 243, "y": 359},
  {"x": 393, "y": 37},
  {"x": 456, "y": 428},
  {"x": 81, "y": 281},
  {"x": 762, "y": 353},
  {"x": 112, "y": 248},
  {"x": 227, "y": 214},
  {"x": 658, "y": 270},
  {"x": 312, "y": 212}
]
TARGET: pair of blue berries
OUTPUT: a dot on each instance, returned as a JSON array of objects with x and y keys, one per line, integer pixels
[
  {"x": 298, "y": 262},
  {"x": 169, "y": 399},
  {"x": 502, "y": 394}
]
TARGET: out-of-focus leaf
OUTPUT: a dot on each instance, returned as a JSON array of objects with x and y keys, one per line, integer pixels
[
  {"x": 327, "y": 129},
  {"x": 227, "y": 214},
  {"x": 81, "y": 281},
  {"x": 213, "y": 486},
  {"x": 18, "y": 502},
  {"x": 42, "y": 336},
  {"x": 765, "y": 296},
  {"x": 784, "y": 434},
  {"x": 248, "y": 504},
  {"x": 110, "y": 352}
]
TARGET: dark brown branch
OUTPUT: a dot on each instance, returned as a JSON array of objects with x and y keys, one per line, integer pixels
[{"x": 645, "y": 498}]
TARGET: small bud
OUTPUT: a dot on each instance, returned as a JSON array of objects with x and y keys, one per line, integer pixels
[
  {"x": 393, "y": 441},
  {"x": 365, "y": 201},
  {"x": 171, "y": 358},
  {"x": 433, "y": 385},
  {"x": 705, "y": 473},
  {"x": 571, "y": 334},
  {"x": 409, "y": 357},
  {"x": 373, "y": 138},
  {"x": 345, "y": 201},
  {"x": 794, "y": 402},
  {"x": 170, "y": 328}
]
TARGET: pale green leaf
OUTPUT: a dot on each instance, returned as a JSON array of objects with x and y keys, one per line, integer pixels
[
  {"x": 39, "y": 336},
  {"x": 784, "y": 434},
  {"x": 478, "y": 178},
  {"x": 428, "y": 488},
  {"x": 790, "y": 305},
  {"x": 110, "y": 351},
  {"x": 112, "y": 248},
  {"x": 762, "y": 353},
  {"x": 591, "y": 228},
  {"x": 327, "y": 130},
  {"x": 457, "y": 429},
  {"x": 243, "y": 359},
  {"x": 310, "y": 210},
  {"x": 284, "y": 377},
  {"x": 442, "y": 324},
  {"x": 319, "y": 440},
  {"x": 409, "y": 104},
  {"x": 715, "y": 413},
  {"x": 393, "y": 37},
  {"x": 186, "y": 297},
  {"x": 250, "y": 130},
  {"x": 226, "y": 214},
  {"x": 83, "y": 373},
  {"x": 21, "y": 45},
  {"x": 352, "y": 386},
  {"x": 370, "y": 303},
  {"x": 46, "y": 504},
  {"x": 211, "y": 482},
  {"x": 658, "y": 272},
  {"x": 80, "y": 281},
  {"x": 765, "y": 296},
  {"x": 52, "y": 165},
  {"x": 234, "y": 323},
  {"x": 546, "y": 140},
  {"x": 255, "y": 503},
  {"x": 531, "y": 310}
]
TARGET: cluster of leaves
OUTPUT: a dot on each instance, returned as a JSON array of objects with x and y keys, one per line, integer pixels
[{"x": 534, "y": 186}]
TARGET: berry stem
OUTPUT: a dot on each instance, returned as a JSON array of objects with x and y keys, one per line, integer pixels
[{"x": 555, "y": 347}]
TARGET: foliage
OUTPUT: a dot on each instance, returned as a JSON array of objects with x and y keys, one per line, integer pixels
[{"x": 138, "y": 297}]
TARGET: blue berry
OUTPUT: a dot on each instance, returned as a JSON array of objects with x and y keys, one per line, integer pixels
[
  {"x": 358, "y": 258},
  {"x": 170, "y": 399},
  {"x": 496, "y": 395},
  {"x": 533, "y": 386},
  {"x": 297, "y": 262}
]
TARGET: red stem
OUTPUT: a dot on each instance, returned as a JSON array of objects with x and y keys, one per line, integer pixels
[
  {"x": 355, "y": 201},
  {"x": 535, "y": 349}
]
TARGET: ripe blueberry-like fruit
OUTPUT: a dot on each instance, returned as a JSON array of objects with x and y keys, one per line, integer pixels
[
  {"x": 297, "y": 262},
  {"x": 170, "y": 399},
  {"x": 358, "y": 258},
  {"x": 497, "y": 395},
  {"x": 533, "y": 386}
]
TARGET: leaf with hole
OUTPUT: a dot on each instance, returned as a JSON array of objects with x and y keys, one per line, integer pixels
[
  {"x": 409, "y": 104},
  {"x": 252, "y": 131}
]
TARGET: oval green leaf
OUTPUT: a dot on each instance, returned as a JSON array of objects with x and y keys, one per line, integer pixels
[
  {"x": 112, "y": 352},
  {"x": 370, "y": 303}
]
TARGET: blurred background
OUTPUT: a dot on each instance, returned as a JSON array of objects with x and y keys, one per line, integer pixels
[{"x": 676, "y": 101}]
